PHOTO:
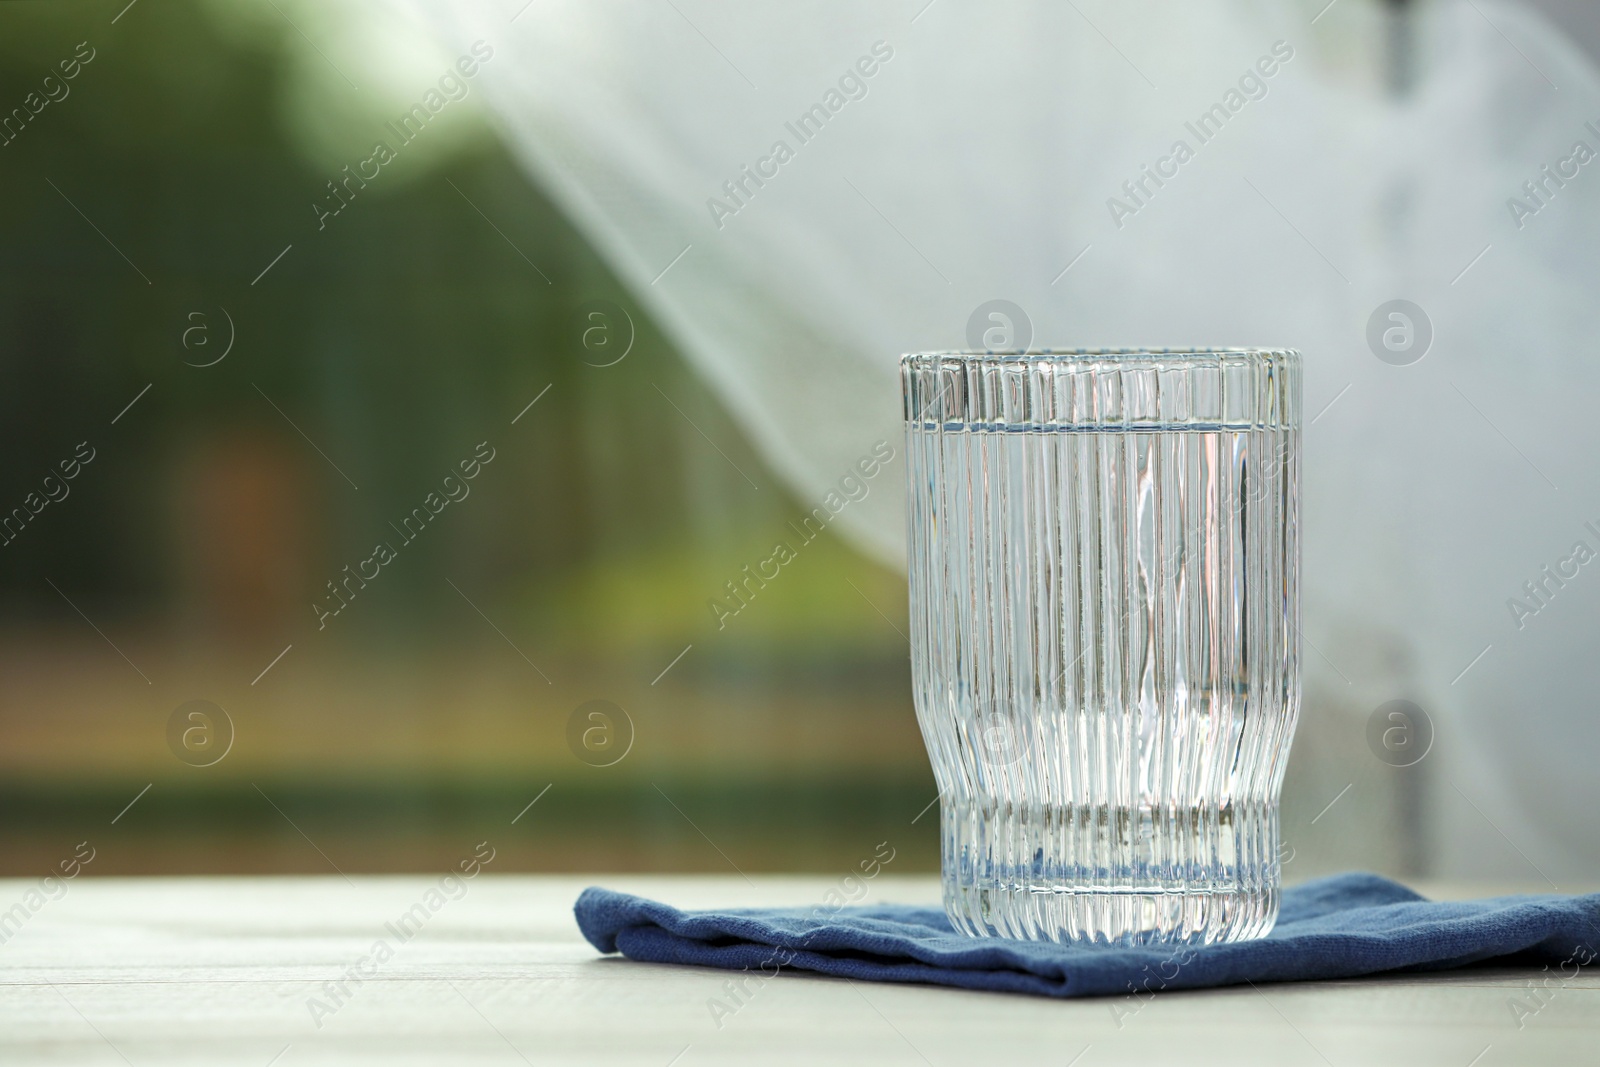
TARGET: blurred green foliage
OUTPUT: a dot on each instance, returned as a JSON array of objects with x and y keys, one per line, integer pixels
[{"x": 377, "y": 352}]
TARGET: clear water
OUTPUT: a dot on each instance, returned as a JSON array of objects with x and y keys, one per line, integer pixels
[{"x": 1104, "y": 653}]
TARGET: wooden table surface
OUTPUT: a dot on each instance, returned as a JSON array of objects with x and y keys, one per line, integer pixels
[{"x": 234, "y": 971}]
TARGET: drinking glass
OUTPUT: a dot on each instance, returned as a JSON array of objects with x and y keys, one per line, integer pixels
[{"x": 1104, "y": 574}]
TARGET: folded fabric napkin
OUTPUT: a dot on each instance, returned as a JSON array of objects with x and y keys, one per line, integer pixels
[{"x": 1338, "y": 927}]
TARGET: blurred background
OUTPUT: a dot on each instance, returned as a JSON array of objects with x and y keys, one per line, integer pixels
[
  {"x": 278, "y": 351},
  {"x": 366, "y": 364}
]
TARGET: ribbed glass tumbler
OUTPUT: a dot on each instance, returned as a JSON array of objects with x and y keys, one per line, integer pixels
[{"x": 1104, "y": 568}]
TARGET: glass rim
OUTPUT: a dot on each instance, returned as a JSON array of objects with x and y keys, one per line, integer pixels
[
  {"x": 1081, "y": 389},
  {"x": 1093, "y": 355}
]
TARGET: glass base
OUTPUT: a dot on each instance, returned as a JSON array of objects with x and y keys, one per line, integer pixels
[{"x": 1109, "y": 875}]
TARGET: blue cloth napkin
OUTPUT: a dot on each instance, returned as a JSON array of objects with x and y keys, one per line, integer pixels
[{"x": 1338, "y": 927}]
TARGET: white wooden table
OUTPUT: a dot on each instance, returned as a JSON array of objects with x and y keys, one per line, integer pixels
[{"x": 231, "y": 971}]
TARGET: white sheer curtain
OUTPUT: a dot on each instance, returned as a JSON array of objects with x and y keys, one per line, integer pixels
[{"x": 977, "y": 161}]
